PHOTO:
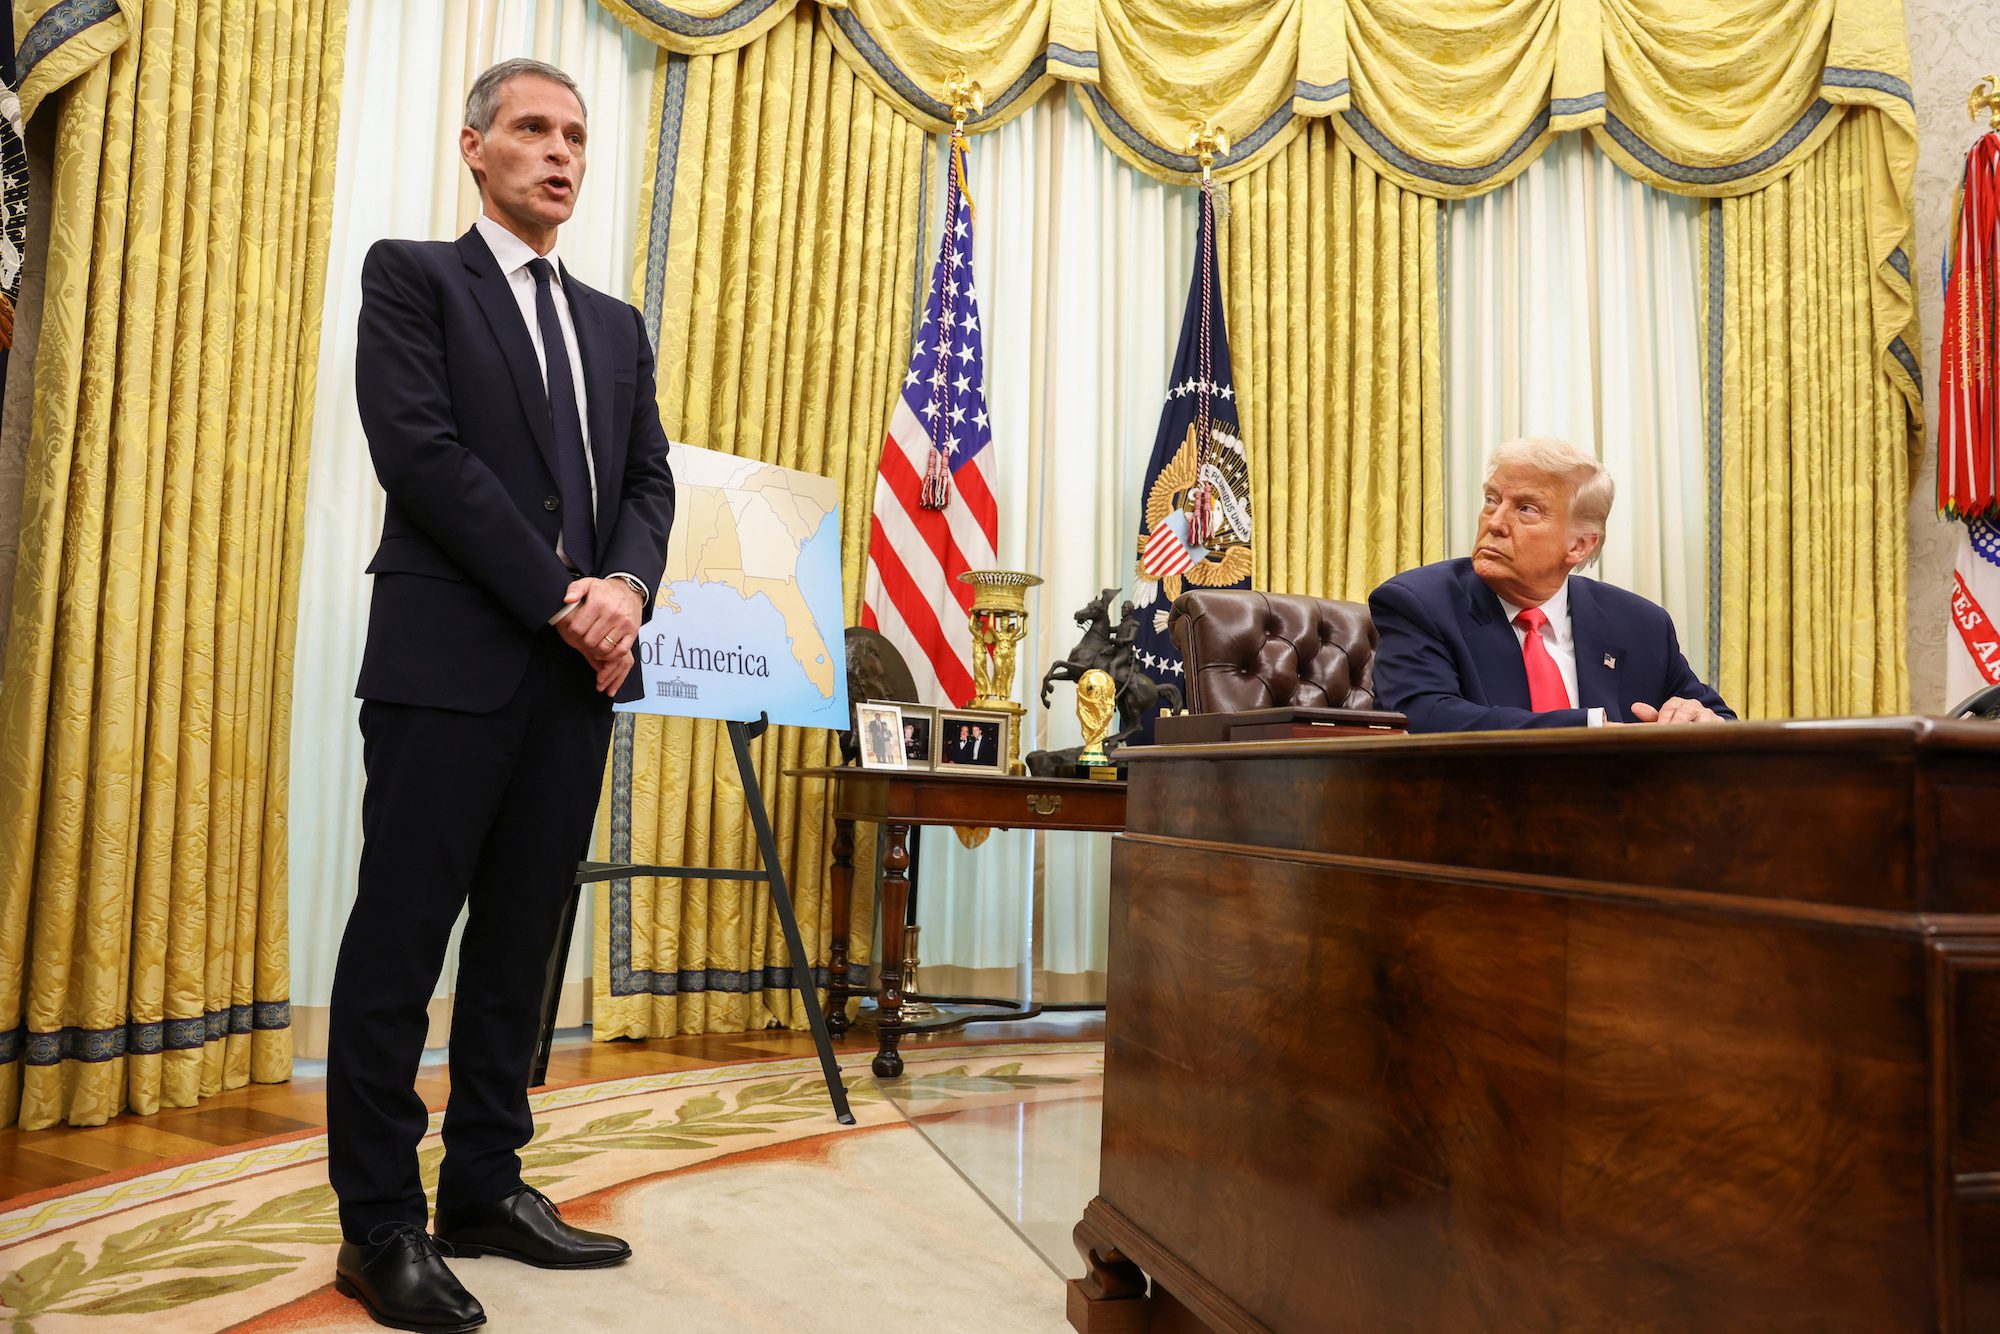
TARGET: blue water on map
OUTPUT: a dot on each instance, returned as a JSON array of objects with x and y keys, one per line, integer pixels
[{"x": 719, "y": 620}]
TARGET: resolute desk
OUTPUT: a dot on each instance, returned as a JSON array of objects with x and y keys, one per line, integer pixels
[{"x": 1691, "y": 1028}]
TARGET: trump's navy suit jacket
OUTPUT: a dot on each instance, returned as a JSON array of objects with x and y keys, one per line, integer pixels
[
  {"x": 1450, "y": 662},
  {"x": 457, "y": 416}
]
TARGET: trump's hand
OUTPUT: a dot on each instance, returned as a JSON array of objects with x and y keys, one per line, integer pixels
[{"x": 1676, "y": 710}]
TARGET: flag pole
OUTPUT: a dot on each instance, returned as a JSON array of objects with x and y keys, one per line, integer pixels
[{"x": 1206, "y": 142}]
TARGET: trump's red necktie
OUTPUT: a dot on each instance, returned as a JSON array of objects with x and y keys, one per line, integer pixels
[{"x": 1546, "y": 690}]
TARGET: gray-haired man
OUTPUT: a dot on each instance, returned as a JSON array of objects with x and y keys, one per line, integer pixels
[{"x": 511, "y": 419}]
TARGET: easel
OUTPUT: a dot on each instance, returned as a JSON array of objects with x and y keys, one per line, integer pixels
[{"x": 740, "y": 737}]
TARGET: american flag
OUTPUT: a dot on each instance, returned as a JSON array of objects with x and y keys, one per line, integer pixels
[{"x": 916, "y": 553}]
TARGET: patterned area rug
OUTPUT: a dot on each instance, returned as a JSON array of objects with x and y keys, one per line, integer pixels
[{"x": 749, "y": 1208}]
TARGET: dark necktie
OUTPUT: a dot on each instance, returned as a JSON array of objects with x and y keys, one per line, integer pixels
[{"x": 579, "y": 529}]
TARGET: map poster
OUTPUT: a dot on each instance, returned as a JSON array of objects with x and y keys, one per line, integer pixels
[{"x": 750, "y": 614}]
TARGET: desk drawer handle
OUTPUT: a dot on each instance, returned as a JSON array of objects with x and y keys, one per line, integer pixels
[{"x": 1043, "y": 803}]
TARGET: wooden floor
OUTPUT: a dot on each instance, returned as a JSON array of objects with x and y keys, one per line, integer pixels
[{"x": 39, "y": 1159}]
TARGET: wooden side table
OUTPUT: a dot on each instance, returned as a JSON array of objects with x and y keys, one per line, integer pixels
[{"x": 899, "y": 800}]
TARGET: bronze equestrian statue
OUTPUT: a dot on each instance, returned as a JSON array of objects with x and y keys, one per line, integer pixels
[{"x": 1107, "y": 648}]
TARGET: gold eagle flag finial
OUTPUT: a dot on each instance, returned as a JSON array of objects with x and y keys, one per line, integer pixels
[
  {"x": 964, "y": 96},
  {"x": 1206, "y": 142},
  {"x": 1985, "y": 96}
]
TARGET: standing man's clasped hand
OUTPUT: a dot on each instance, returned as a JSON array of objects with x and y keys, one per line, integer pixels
[{"x": 602, "y": 622}]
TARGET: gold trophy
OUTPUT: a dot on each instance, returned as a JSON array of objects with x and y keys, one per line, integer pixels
[
  {"x": 1096, "y": 703},
  {"x": 999, "y": 623}
]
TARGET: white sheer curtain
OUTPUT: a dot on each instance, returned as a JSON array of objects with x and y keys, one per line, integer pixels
[
  {"x": 409, "y": 63},
  {"x": 1572, "y": 312},
  {"x": 1082, "y": 266}
]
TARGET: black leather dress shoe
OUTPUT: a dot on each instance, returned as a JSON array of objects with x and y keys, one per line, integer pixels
[
  {"x": 403, "y": 1281},
  {"x": 526, "y": 1227}
]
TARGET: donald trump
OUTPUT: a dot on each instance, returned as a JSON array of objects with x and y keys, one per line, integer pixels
[{"x": 1512, "y": 636}]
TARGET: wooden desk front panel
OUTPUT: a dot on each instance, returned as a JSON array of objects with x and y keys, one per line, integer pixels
[
  {"x": 1374, "y": 1100},
  {"x": 1880, "y": 818}
]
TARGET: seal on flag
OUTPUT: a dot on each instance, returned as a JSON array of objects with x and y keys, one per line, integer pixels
[{"x": 1169, "y": 551}]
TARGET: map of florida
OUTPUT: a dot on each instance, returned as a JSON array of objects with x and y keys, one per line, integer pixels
[{"x": 745, "y": 533}]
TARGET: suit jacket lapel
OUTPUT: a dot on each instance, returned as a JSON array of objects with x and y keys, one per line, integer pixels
[
  {"x": 1495, "y": 651},
  {"x": 593, "y": 347},
  {"x": 1596, "y": 683},
  {"x": 496, "y": 301}
]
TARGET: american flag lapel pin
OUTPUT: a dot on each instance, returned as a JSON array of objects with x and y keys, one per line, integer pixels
[{"x": 1611, "y": 661}]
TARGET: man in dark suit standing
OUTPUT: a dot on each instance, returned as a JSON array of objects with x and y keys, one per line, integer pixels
[
  {"x": 1512, "y": 637},
  {"x": 511, "y": 418}
]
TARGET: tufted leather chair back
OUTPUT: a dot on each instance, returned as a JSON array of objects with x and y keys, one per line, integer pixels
[{"x": 1251, "y": 650}]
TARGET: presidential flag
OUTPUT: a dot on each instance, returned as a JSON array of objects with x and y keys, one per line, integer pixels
[
  {"x": 1195, "y": 528},
  {"x": 934, "y": 515}
]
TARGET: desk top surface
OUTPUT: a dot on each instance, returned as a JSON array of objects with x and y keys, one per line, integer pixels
[{"x": 1861, "y": 735}]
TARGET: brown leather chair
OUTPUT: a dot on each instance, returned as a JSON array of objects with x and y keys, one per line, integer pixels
[{"x": 1249, "y": 650}]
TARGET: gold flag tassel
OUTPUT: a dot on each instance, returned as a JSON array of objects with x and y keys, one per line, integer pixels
[{"x": 966, "y": 99}]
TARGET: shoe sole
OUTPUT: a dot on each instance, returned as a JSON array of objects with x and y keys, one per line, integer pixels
[
  {"x": 467, "y": 1251},
  {"x": 347, "y": 1289}
]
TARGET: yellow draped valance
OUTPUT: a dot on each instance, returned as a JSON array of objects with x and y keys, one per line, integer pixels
[{"x": 1448, "y": 98}]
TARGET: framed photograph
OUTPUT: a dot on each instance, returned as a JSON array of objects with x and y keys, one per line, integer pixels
[
  {"x": 969, "y": 739},
  {"x": 879, "y": 731},
  {"x": 919, "y": 733}
]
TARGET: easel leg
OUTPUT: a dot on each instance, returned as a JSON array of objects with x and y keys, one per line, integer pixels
[
  {"x": 893, "y": 909},
  {"x": 781, "y": 899},
  {"x": 552, "y": 989},
  {"x": 842, "y": 876}
]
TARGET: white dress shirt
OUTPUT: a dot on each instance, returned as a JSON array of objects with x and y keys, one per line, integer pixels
[
  {"x": 513, "y": 255},
  {"x": 1558, "y": 637}
]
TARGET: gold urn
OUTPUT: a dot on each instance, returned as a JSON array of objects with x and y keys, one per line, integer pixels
[{"x": 999, "y": 621}]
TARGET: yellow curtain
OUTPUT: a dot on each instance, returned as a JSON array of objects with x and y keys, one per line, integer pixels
[
  {"x": 1813, "y": 439},
  {"x": 145, "y": 718},
  {"x": 1333, "y": 291},
  {"x": 60, "y": 40},
  {"x": 1449, "y": 99},
  {"x": 780, "y": 262}
]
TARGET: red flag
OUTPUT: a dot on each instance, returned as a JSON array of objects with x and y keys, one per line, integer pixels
[{"x": 1968, "y": 413}]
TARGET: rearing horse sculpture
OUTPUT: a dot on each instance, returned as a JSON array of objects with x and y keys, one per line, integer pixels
[{"x": 1109, "y": 648}]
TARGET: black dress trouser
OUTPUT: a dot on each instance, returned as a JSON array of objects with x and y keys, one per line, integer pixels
[{"x": 493, "y": 810}]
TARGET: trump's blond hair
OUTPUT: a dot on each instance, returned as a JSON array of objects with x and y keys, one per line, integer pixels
[{"x": 1587, "y": 481}]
